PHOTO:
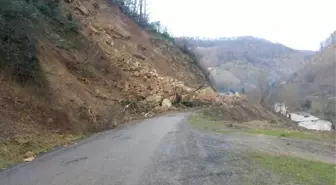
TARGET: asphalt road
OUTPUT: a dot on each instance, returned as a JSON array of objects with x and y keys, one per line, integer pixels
[{"x": 160, "y": 150}]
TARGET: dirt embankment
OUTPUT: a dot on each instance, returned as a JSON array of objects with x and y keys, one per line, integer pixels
[
  {"x": 108, "y": 72},
  {"x": 98, "y": 69}
]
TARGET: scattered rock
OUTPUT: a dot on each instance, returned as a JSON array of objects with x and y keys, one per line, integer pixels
[
  {"x": 136, "y": 74},
  {"x": 166, "y": 103},
  {"x": 117, "y": 33},
  {"x": 159, "y": 109},
  {"x": 82, "y": 9},
  {"x": 29, "y": 154},
  {"x": 149, "y": 114},
  {"x": 185, "y": 97},
  {"x": 30, "y": 159},
  {"x": 95, "y": 5},
  {"x": 172, "y": 108},
  {"x": 154, "y": 99},
  {"x": 94, "y": 30},
  {"x": 115, "y": 123},
  {"x": 207, "y": 94},
  {"x": 173, "y": 99},
  {"x": 142, "y": 47},
  {"x": 50, "y": 120},
  {"x": 139, "y": 56}
]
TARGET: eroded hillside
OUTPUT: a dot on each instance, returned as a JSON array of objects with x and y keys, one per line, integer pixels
[{"x": 73, "y": 67}]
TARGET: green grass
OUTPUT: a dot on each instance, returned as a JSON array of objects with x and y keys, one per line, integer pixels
[
  {"x": 13, "y": 151},
  {"x": 297, "y": 170},
  {"x": 286, "y": 133},
  {"x": 207, "y": 124},
  {"x": 204, "y": 123}
]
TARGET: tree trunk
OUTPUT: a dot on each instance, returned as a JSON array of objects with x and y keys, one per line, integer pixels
[
  {"x": 141, "y": 10},
  {"x": 145, "y": 7},
  {"x": 135, "y": 6}
]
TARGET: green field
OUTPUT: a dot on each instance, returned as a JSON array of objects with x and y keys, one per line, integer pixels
[{"x": 297, "y": 170}]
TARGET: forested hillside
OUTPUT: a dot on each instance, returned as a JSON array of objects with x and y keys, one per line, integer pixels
[
  {"x": 313, "y": 87},
  {"x": 238, "y": 62}
]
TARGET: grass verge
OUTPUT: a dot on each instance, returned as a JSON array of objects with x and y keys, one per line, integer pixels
[
  {"x": 298, "y": 170},
  {"x": 208, "y": 124},
  {"x": 287, "y": 133},
  {"x": 16, "y": 150}
]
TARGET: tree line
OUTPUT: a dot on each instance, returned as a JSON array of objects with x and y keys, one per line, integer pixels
[
  {"x": 138, "y": 11},
  {"x": 329, "y": 41}
]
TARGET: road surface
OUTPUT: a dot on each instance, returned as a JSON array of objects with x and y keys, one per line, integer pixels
[
  {"x": 157, "y": 151},
  {"x": 162, "y": 150}
]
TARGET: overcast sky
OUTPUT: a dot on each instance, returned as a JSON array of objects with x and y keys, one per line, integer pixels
[{"x": 300, "y": 24}]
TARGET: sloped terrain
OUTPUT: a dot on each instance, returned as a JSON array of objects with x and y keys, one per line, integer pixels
[
  {"x": 318, "y": 75},
  {"x": 314, "y": 83},
  {"x": 92, "y": 68},
  {"x": 237, "y": 62},
  {"x": 71, "y": 68}
]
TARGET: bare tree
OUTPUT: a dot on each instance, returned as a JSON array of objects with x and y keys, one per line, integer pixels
[
  {"x": 263, "y": 86},
  {"x": 135, "y": 6},
  {"x": 145, "y": 7},
  {"x": 141, "y": 9}
]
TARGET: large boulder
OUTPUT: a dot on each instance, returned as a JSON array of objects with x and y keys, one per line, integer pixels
[
  {"x": 139, "y": 56},
  {"x": 207, "y": 94},
  {"x": 154, "y": 100},
  {"x": 166, "y": 103}
]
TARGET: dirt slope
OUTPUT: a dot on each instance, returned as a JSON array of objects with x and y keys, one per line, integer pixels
[
  {"x": 96, "y": 69},
  {"x": 109, "y": 72}
]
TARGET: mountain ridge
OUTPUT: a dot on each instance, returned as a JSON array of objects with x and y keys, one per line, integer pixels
[{"x": 229, "y": 58}]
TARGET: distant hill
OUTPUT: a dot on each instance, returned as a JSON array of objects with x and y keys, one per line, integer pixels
[
  {"x": 237, "y": 62},
  {"x": 315, "y": 82},
  {"x": 318, "y": 75}
]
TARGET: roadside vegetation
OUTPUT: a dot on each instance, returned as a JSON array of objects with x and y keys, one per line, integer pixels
[
  {"x": 25, "y": 147},
  {"x": 285, "y": 161},
  {"x": 202, "y": 122},
  {"x": 20, "y": 22},
  {"x": 137, "y": 10},
  {"x": 297, "y": 170},
  {"x": 294, "y": 134}
]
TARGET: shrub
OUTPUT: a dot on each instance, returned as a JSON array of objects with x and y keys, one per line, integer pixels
[
  {"x": 17, "y": 46},
  {"x": 306, "y": 105},
  {"x": 19, "y": 23},
  {"x": 126, "y": 6}
]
